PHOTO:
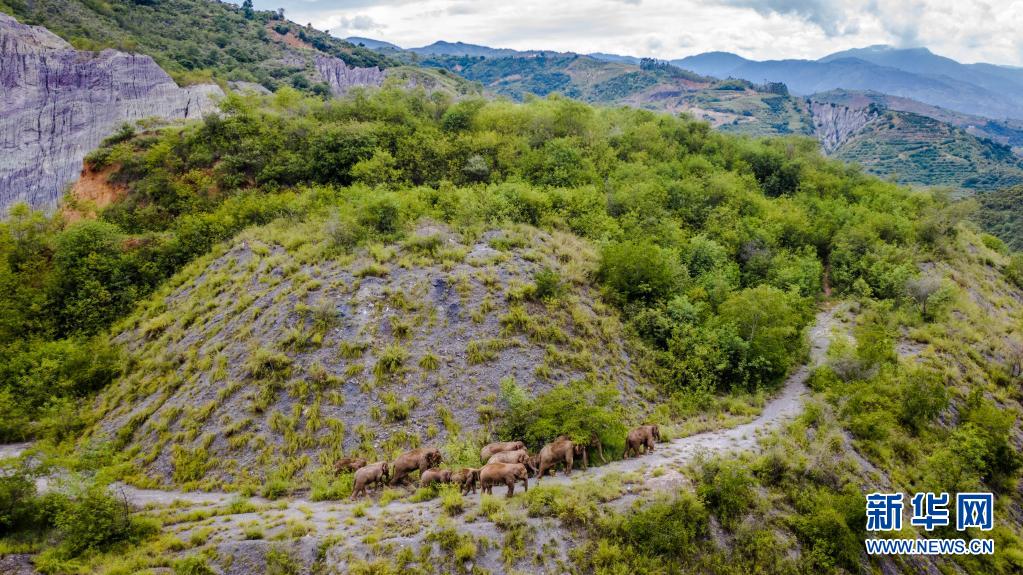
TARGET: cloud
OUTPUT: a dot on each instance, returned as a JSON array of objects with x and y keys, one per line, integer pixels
[
  {"x": 967, "y": 30},
  {"x": 830, "y": 16},
  {"x": 357, "y": 23}
]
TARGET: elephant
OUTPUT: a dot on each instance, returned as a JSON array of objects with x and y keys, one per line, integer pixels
[
  {"x": 466, "y": 478},
  {"x": 641, "y": 439},
  {"x": 595, "y": 443},
  {"x": 422, "y": 458},
  {"x": 561, "y": 450},
  {"x": 349, "y": 464},
  {"x": 373, "y": 474},
  {"x": 534, "y": 465},
  {"x": 487, "y": 452},
  {"x": 493, "y": 474},
  {"x": 517, "y": 456},
  {"x": 431, "y": 476}
]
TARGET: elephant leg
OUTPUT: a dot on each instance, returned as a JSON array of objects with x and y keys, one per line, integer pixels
[
  {"x": 543, "y": 470},
  {"x": 511, "y": 486},
  {"x": 586, "y": 459},
  {"x": 568, "y": 463}
]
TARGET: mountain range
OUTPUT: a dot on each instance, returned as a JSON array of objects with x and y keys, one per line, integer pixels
[{"x": 865, "y": 111}]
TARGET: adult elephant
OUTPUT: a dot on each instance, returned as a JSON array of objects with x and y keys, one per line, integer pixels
[
  {"x": 493, "y": 474},
  {"x": 422, "y": 458},
  {"x": 641, "y": 439},
  {"x": 594, "y": 443},
  {"x": 373, "y": 474},
  {"x": 517, "y": 456},
  {"x": 489, "y": 450},
  {"x": 560, "y": 451}
]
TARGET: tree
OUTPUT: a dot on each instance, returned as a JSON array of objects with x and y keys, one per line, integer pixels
[
  {"x": 247, "y": 9},
  {"x": 639, "y": 271}
]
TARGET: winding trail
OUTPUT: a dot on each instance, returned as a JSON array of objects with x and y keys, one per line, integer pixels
[
  {"x": 653, "y": 471},
  {"x": 212, "y": 517}
]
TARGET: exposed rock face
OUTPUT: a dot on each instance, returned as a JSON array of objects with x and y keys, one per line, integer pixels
[
  {"x": 835, "y": 123},
  {"x": 58, "y": 103},
  {"x": 340, "y": 77}
]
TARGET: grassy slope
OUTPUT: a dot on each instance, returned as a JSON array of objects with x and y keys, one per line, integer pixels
[
  {"x": 194, "y": 39},
  {"x": 292, "y": 354}
]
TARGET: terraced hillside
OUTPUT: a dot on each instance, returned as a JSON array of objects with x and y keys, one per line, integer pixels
[
  {"x": 915, "y": 149},
  {"x": 276, "y": 355}
]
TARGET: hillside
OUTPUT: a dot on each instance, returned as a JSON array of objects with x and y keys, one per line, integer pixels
[
  {"x": 1000, "y": 213},
  {"x": 1006, "y": 132},
  {"x": 197, "y": 40},
  {"x": 295, "y": 278},
  {"x": 915, "y": 149},
  {"x": 971, "y": 89},
  {"x": 296, "y": 356}
]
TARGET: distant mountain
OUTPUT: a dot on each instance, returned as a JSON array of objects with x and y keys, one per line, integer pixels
[
  {"x": 442, "y": 48},
  {"x": 1003, "y": 79},
  {"x": 716, "y": 64},
  {"x": 916, "y": 74},
  {"x": 615, "y": 58},
  {"x": 372, "y": 44}
]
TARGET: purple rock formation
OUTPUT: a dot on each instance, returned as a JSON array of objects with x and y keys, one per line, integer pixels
[
  {"x": 340, "y": 77},
  {"x": 58, "y": 103}
]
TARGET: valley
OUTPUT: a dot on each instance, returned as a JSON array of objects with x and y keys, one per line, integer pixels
[{"x": 240, "y": 252}]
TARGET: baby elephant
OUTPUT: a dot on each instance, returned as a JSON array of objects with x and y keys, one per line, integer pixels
[
  {"x": 348, "y": 464},
  {"x": 641, "y": 439},
  {"x": 493, "y": 474},
  {"x": 466, "y": 479},
  {"x": 487, "y": 452},
  {"x": 373, "y": 474},
  {"x": 431, "y": 476},
  {"x": 517, "y": 456}
]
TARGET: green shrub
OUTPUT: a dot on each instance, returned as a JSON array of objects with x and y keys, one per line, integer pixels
[
  {"x": 193, "y": 565},
  {"x": 670, "y": 528},
  {"x": 639, "y": 271},
  {"x": 726, "y": 488}
]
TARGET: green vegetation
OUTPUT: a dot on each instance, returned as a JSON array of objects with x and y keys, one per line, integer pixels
[
  {"x": 198, "y": 41},
  {"x": 1001, "y": 213},
  {"x": 712, "y": 250}
]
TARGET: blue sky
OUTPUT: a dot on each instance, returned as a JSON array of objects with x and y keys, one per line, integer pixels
[{"x": 967, "y": 30}]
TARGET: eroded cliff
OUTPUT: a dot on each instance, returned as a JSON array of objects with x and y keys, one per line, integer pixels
[{"x": 58, "y": 103}]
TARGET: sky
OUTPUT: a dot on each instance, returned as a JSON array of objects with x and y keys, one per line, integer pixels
[{"x": 966, "y": 30}]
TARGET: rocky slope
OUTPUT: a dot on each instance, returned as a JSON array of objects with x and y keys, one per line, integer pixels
[
  {"x": 276, "y": 357},
  {"x": 834, "y": 124},
  {"x": 58, "y": 103}
]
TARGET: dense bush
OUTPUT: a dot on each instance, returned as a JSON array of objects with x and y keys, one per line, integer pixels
[{"x": 580, "y": 410}]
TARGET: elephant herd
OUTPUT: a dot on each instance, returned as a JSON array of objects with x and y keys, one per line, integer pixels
[{"x": 507, "y": 463}]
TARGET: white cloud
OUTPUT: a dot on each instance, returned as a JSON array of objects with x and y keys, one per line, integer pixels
[{"x": 967, "y": 30}]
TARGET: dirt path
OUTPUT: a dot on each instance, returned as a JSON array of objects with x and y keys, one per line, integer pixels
[{"x": 229, "y": 528}]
